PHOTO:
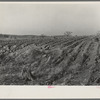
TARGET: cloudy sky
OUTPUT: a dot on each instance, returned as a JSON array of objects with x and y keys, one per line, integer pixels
[{"x": 49, "y": 18}]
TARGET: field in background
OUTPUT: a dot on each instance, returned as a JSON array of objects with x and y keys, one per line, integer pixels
[{"x": 49, "y": 60}]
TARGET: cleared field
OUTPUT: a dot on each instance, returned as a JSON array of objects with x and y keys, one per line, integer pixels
[{"x": 60, "y": 60}]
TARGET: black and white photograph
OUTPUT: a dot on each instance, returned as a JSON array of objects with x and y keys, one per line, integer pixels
[{"x": 50, "y": 43}]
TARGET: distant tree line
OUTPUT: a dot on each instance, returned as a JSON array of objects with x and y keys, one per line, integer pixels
[{"x": 4, "y": 36}]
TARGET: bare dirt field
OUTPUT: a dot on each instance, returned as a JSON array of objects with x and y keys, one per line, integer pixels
[{"x": 51, "y": 60}]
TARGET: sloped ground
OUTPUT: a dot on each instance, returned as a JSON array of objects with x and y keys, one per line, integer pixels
[{"x": 50, "y": 61}]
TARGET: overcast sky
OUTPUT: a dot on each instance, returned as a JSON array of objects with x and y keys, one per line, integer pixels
[{"x": 49, "y": 18}]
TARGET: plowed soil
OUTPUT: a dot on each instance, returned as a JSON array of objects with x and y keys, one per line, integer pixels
[{"x": 59, "y": 60}]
